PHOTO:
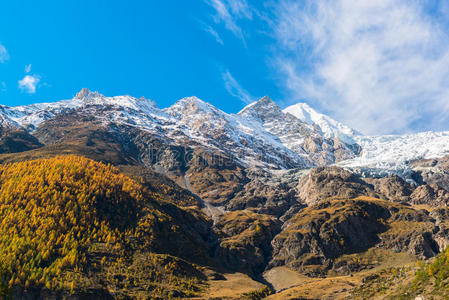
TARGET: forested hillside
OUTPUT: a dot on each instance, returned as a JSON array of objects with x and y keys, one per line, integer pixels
[{"x": 73, "y": 225}]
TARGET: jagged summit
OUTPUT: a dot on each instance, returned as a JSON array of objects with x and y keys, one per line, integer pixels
[
  {"x": 305, "y": 139},
  {"x": 87, "y": 97},
  {"x": 86, "y": 94},
  {"x": 265, "y": 100},
  {"x": 263, "y": 109}
]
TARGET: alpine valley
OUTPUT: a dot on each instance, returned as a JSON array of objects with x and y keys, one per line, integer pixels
[{"x": 114, "y": 198}]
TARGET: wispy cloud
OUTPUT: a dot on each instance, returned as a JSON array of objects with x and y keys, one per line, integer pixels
[
  {"x": 4, "y": 56},
  {"x": 380, "y": 66},
  {"x": 209, "y": 29},
  {"x": 240, "y": 8},
  {"x": 28, "y": 83},
  {"x": 234, "y": 88},
  {"x": 28, "y": 68},
  {"x": 3, "y": 86},
  {"x": 228, "y": 12}
]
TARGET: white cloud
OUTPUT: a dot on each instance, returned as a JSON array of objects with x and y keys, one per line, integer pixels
[
  {"x": 28, "y": 83},
  {"x": 3, "y": 86},
  {"x": 381, "y": 66},
  {"x": 228, "y": 12},
  {"x": 4, "y": 56},
  {"x": 209, "y": 29},
  {"x": 28, "y": 68},
  {"x": 234, "y": 88},
  {"x": 240, "y": 8}
]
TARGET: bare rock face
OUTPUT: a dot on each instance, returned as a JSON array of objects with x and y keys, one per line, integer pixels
[
  {"x": 432, "y": 171},
  {"x": 99, "y": 141},
  {"x": 440, "y": 163},
  {"x": 312, "y": 240},
  {"x": 325, "y": 182},
  {"x": 320, "y": 233},
  {"x": 441, "y": 216},
  {"x": 265, "y": 193},
  {"x": 343, "y": 151},
  {"x": 392, "y": 187},
  {"x": 411, "y": 230},
  {"x": 214, "y": 182},
  {"x": 430, "y": 194}
]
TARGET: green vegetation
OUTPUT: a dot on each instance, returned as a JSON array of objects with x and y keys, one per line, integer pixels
[
  {"x": 382, "y": 284},
  {"x": 433, "y": 277},
  {"x": 156, "y": 275},
  {"x": 257, "y": 295}
]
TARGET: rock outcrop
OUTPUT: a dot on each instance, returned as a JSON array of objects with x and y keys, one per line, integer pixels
[
  {"x": 312, "y": 240},
  {"x": 325, "y": 182},
  {"x": 245, "y": 239}
]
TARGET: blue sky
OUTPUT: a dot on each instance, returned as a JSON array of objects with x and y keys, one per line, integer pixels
[
  {"x": 378, "y": 66},
  {"x": 156, "y": 49}
]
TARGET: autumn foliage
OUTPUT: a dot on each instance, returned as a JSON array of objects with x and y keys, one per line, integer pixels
[{"x": 56, "y": 212}]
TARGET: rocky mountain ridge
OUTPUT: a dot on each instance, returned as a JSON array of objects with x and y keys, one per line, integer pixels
[
  {"x": 261, "y": 134},
  {"x": 278, "y": 140}
]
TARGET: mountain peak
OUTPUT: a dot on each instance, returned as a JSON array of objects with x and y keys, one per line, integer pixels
[
  {"x": 191, "y": 106},
  {"x": 302, "y": 111},
  {"x": 86, "y": 94},
  {"x": 193, "y": 103},
  {"x": 261, "y": 109},
  {"x": 266, "y": 100},
  {"x": 193, "y": 99},
  {"x": 330, "y": 127}
]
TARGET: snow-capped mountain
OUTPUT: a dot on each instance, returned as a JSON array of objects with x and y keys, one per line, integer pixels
[
  {"x": 330, "y": 127},
  {"x": 124, "y": 109},
  {"x": 306, "y": 139},
  {"x": 261, "y": 134},
  {"x": 230, "y": 133}
]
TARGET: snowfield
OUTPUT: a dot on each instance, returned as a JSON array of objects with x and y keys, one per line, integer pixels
[{"x": 391, "y": 153}]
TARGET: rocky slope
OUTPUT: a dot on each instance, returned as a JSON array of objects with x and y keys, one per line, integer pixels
[{"x": 315, "y": 237}]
